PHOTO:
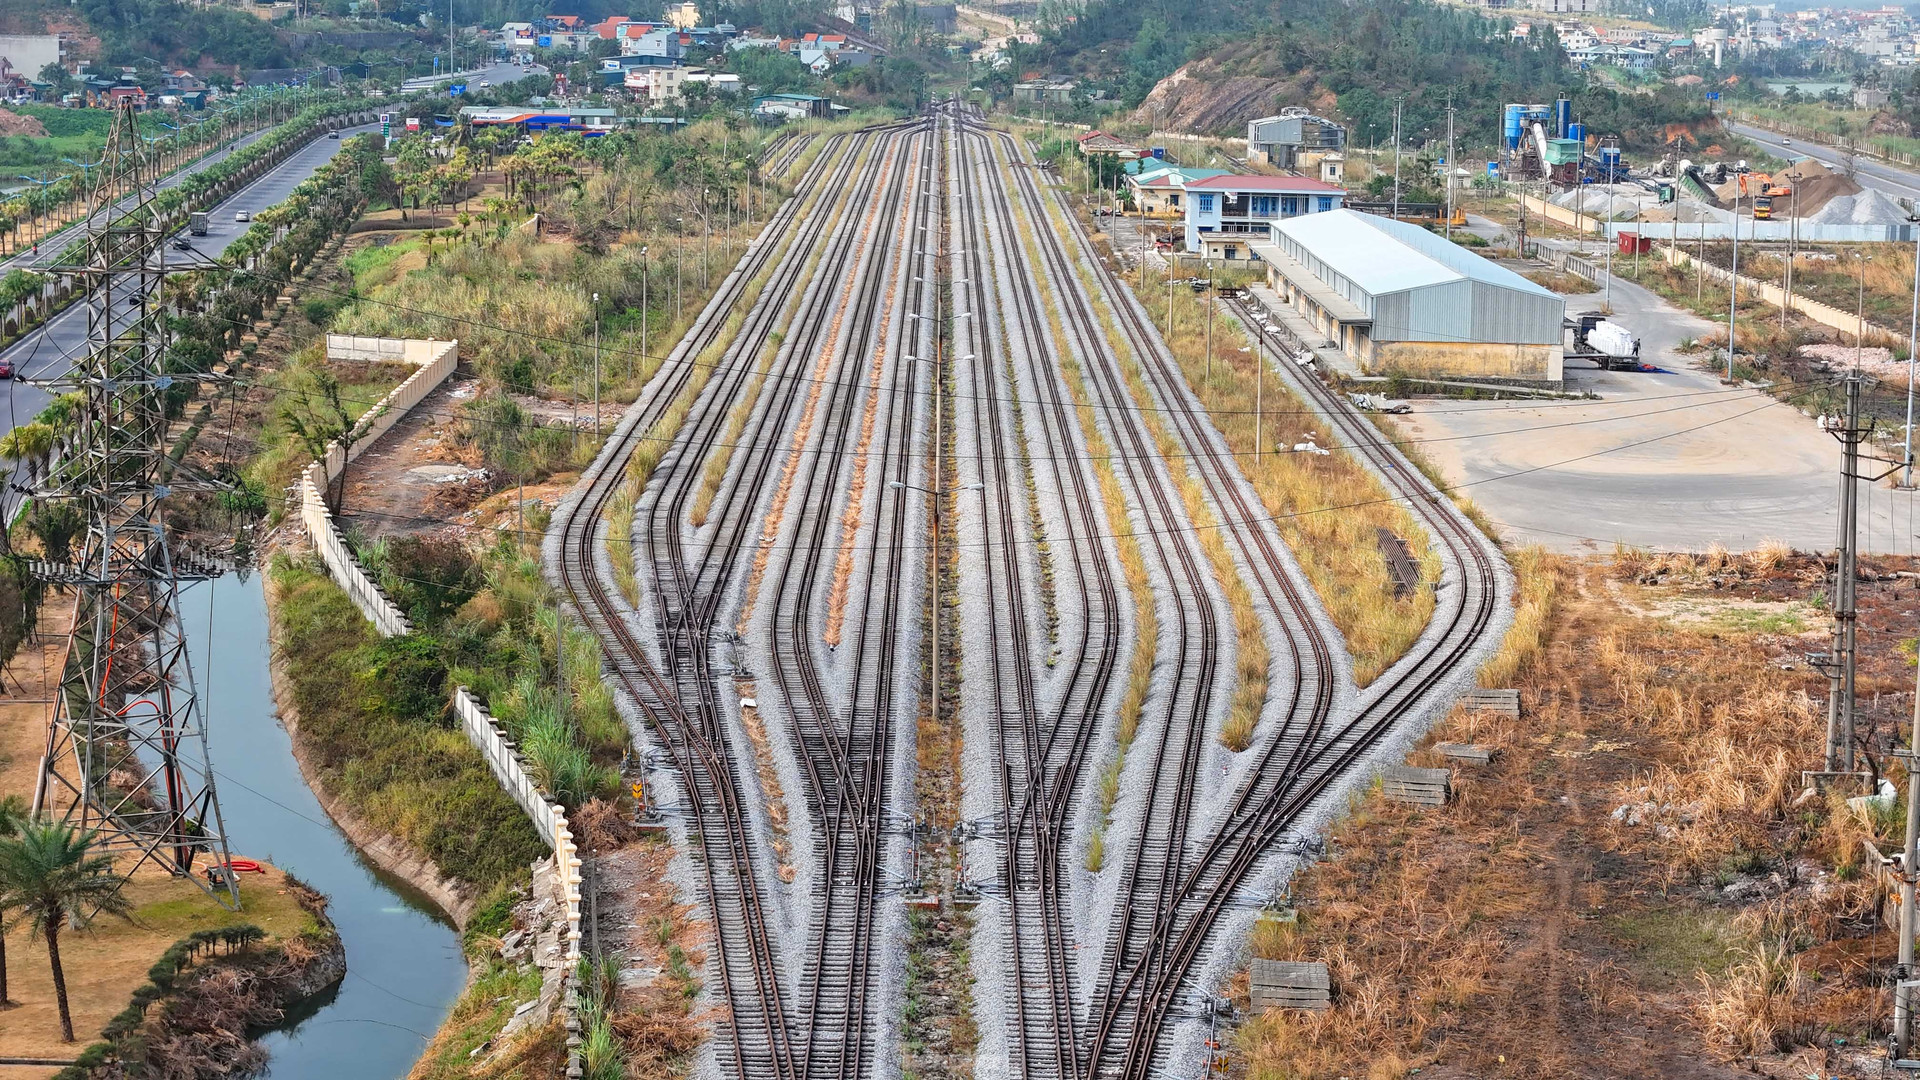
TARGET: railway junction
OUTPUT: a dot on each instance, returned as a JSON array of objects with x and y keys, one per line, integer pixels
[{"x": 923, "y": 361}]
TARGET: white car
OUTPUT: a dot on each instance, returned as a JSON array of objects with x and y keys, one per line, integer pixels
[{"x": 242, "y": 215}]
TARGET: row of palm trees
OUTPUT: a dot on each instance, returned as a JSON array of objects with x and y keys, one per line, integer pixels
[{"x": 51, "y": 879}]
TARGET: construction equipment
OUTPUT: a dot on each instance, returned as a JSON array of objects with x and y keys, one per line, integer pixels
[{"x": 1763, "y": 190}]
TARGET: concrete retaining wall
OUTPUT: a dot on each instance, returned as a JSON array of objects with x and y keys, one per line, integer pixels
[
  {"x": 549, "y": 818},
  {"x": 436, "y": 360},
  {"x": 1824, "y": 314}
]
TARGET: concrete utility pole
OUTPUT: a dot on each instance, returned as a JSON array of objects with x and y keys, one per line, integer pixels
[
  {"x": 1451, "y": 168},
  {"x": 1396, "y": 160},
  {"x": 1733, "y": 287},
  {"x": 596, "y": 364},
  {"x": 646, "y": 311},
  {"x": 1913, "y": 340},
  {"x": 1839, "y": 664},
  {"x": 1903, "y": 971}
]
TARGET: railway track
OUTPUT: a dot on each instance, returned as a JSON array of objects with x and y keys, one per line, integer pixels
[
  {"x": 1041, "y": 748},
  {"x": 772, "y": 1030}
]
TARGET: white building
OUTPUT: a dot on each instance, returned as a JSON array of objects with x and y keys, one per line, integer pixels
[{"x": 29, "y": 54}]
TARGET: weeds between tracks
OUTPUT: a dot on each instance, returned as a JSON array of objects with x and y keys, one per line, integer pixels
[{"x": 1252, "y": 657}]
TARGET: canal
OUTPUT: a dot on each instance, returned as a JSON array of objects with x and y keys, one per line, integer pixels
[{"x": 404, "y": 967}]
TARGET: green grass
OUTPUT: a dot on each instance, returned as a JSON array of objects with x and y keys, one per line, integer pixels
[
  {"x": 477, "y": 1017},
  {"x": 370, "y": 265},
  {"x": 393, "y": 760},
  {"x": 1672, "y": 946}
]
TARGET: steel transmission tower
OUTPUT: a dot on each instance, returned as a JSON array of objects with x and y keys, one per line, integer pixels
[{"x": 126, "y": 751}]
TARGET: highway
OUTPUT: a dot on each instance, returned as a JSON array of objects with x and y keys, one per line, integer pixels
[
  {"x": 1895, "y": 181},
  {"x": 51, "y": 246},
  {"x": 48, "y": 351}
]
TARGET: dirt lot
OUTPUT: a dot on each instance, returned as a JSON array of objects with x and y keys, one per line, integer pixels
[
  {"x": 102, "y": 967},
  {"x": 1636, "y": 887}
]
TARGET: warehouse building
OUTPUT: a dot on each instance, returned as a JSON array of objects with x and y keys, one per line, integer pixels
[{"x": 1399, "y": 300}]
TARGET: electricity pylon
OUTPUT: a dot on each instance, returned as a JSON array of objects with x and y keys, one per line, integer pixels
[{"x": 126, "y": 752}]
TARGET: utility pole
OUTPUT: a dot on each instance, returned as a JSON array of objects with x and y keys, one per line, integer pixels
[
  {"x": 1450, "y": 167},
  {"x": 1733, "y": 287},
  {"x": 646, "y": 311},
  {"x": 1396, "y": 160},
  {"x": 1210, "y": 300},
  {"x": 1913, "y": 339},
  {"x": 1910, "y": 854},
  {"x": 596, "y": 364},
  {"x": 1839, "y": 663}
]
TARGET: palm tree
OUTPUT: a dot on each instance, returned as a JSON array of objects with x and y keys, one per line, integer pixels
[
  {"x": 53, "y": 878},
  {"x": 13, "y": 813}
]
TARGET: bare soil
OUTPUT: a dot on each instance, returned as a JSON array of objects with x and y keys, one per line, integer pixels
[{"x": 1591, "y": 903}]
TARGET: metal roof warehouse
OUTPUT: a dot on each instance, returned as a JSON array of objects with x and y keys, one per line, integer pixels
[{"x": 1399, "y": 299}]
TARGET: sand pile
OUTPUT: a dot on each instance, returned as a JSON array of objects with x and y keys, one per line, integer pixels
[
  {"x": 1870, "y": 207},
  {"x": 12, "y": 123}
]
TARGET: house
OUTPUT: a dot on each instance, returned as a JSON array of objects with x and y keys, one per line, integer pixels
[
  {"x": 816, "y": 61},
  {"x": 657, "y": 84},
  {"x": 683, "y": 16},
  {"x": 1158, "y": 190},
  {"x": 29, "y": 54},
  {"x": 1224, "y": 213},
  {"x": 1294, "y": 138},
  {"x": 1333, "y": 168},
  {"x": 1098, "y": 143},
  {"x": 753, "y": 41},
  {"x": 183, "y": 82},
  {"x": 1867, "y": 97},
  {"x": 792, "y": 106},
  {"x": 822, "y": 42},
  {"x": 1399, "y": 300},
  {"x": 664, "y": 45},
  {"x": 719, "y": 83},
  {"x": 1043, "y": 92}
]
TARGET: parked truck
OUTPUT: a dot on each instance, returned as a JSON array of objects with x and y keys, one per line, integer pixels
[{"x": 197, "y": 223}]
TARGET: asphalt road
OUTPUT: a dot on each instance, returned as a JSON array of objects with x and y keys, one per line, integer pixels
[
  {"x": 49, "y": 351},
  {"x": 1895, "y": 181},
  {"x": 53, "y": 245}
]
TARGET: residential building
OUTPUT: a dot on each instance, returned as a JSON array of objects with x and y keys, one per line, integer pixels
[
  {"x": 1043, "y": 92},
  {"x": 1099, "y": 143},
  {"x": 792, "y": 106},
  {"x": 664, "y": 45},
  {"x": 29, "y": 54},
  {"x": 655, "y": 83},
  {"x": 1225, "y": 213},
  {"x": 1399, "y": 300},
  {"x": 1158, "y": 190},
  {"x": 1295, "y": 138},
  {"x": 683, "y": 16},
  {"x": 182, "y": 82}
]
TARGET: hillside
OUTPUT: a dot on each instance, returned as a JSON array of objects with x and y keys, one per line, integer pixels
[{"x": 1169, "y": 63}]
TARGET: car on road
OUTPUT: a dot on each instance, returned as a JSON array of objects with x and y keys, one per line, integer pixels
[
  {"x": 333, "y": 135},
  {"x": 180, "y": 243},
  {"x": 242, "y": 215},
  {"x": 1786, "y": 141},
  {"x": 8, "y": 371}
]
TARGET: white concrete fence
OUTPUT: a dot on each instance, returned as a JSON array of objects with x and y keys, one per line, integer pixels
[{"x": 436, "y": 360}]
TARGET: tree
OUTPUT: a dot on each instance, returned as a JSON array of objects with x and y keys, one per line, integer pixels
[
  {"x": 52, "y": 877},
  {"x": 13, "y": 814},
  {"x": 318, "y": 418}
]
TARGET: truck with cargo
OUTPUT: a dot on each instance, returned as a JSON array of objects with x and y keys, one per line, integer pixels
[{"x": 197, "y": 222}]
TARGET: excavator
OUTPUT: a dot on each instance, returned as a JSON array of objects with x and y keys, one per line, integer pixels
[{"x": 1764, "y": 191}]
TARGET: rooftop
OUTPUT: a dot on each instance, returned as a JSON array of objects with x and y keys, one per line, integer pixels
[
  {"x": 1241, "y": 182},
  {"x": 1381, "y": 255},
  {"x": 1171, "y": 176}
]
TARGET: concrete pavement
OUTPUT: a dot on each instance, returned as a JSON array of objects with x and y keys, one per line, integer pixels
[{"x": 1673, "y": 460}]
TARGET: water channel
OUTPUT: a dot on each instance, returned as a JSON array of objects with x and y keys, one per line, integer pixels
[{"x": 404, "y": 968}]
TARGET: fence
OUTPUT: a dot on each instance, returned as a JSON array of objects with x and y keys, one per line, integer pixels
[
  {"x": 549, "y": 818},
  {"x": 1824, "y": 314},
  {"x": 436, "y": 360},
  {"x": 1750, "y": 229}
]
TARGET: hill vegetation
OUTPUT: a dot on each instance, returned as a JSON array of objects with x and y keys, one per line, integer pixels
[{"x": 1351, "y": 59}]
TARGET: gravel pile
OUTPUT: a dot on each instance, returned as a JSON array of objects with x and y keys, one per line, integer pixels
[{"x": 1870, "y": 207}]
